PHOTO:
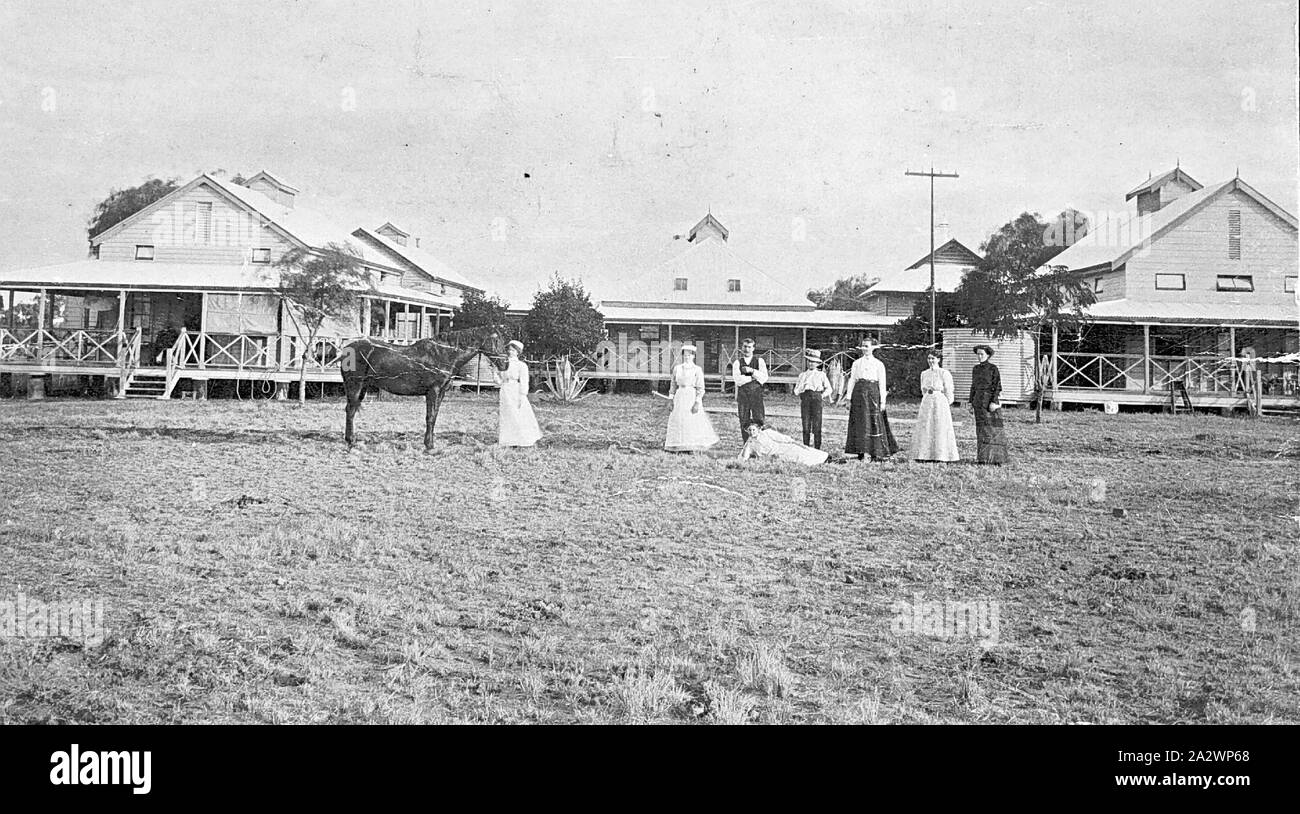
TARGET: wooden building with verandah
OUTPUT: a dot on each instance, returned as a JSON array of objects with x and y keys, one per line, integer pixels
[
  {"x": 185, "y": 291},
  {"x": 712, "y": 297},
  {"x": 1197, "y": 287}
]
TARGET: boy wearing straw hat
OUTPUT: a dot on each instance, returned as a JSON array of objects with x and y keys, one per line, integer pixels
[{"x": 812, "y": 387}]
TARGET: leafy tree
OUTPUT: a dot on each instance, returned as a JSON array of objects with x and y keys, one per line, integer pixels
[
  {"x": 844, "y": 295},
  {"x": 563, "y": 320},
  {"x": 123, "y": 203},
  {"x": 1013, "y": 289},
  {"x": 478, "y": 310},
  {"x": 319, "y": 285}
]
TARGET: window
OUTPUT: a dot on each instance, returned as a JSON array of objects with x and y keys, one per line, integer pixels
[
  {"x": 679, "y": 284},
  {"x": 1236, "y": 282},
  {"x": 1098, "y": 284},
  {"x": 261, "y": 255},
  {"x": 94, "y": 251},
  {"x": 1171, "y": 282},
  {"x": 204, "y": 228},
  {"x": 1288, "y": 284},
  {"x": 1234, "y": 235},
  {"x": 733, "y": 285},
  {"x": 144, "y": 252}
]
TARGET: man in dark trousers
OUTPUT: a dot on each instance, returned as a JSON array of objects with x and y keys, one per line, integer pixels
[{"x": 749, "y": 372}]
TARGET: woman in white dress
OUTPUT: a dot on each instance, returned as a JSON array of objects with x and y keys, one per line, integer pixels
[
  {"x": 765, "y": 442},
  {"x": 518, "y": 425},
  {"x": 689, "y": 428},
  {"x": 934, "y": 439}
]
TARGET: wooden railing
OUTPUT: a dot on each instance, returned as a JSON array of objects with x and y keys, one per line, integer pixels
[
  {"x": 1199, "y": 374},
  {"x": 253, "y": 354},
  {"x": 785, "y": 361},
  {"x": 70, "y": 346}
]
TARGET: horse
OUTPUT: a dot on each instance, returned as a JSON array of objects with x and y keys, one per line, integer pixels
[{"x": 423, "y": 368}]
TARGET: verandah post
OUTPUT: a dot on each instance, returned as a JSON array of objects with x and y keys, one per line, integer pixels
[
  {"x": 121, "y": 325},
  {"x": 1147, "y": 383},
  {"x": 203, "y": 338},
  {"x": 1056, "y": 381}
]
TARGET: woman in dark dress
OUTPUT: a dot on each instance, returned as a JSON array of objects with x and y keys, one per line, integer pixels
[
  {"x": 985, "y": 391},
  {"x": 869, "y": 431}
]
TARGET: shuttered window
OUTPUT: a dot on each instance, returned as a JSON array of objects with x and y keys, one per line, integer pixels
[
  {"x": 733, "y": 285},
  {"x": 203, "y": 231},
  {"x": 1234, "y": 234}
]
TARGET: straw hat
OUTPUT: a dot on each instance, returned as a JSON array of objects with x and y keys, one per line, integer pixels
[
  {"x": 517, "y": 345},
  {"x": 812, "y": 355},
  {"x": 689, "y": 347}
]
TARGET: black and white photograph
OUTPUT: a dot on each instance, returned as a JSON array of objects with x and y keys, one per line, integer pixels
[{"x": 689, "y": 363}]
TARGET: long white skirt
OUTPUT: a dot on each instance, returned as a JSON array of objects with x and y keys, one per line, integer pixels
[
  {"x": 518, "y": 424},
  {"x": 687, "y": 431},
  {"x": 934, "y": 439}
]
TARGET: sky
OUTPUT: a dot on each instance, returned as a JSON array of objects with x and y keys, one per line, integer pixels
[{"x": 525, "y": 139}]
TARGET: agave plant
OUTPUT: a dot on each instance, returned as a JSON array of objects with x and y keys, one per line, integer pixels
[{"x": 565, "y": 383}]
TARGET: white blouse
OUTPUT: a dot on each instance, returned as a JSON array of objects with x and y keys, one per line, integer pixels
[
  {"x": 939, "y": 380},
  {"x": 871, "y": 369}
]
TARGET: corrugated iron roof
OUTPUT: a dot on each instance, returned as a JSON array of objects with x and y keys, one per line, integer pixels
[
  {"x": 421, "y": 259},
  {"x": 1280, "y": 314},
  {"x": 1110, "y": 240},
  {"x": 914, "y": 281},
  {"x": 152, "y": 275},
  {"x": 812, "y": 318}
]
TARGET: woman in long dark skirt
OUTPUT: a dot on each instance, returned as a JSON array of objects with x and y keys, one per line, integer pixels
[
  {"x": 869, "y": 432},
  {"x": 985, "y": 395}
]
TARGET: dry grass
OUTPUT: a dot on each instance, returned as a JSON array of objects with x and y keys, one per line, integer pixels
[{"x": 253, "y": 570}]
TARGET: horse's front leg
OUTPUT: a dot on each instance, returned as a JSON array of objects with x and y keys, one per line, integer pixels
[
  {"x": 432, "y": 401},
  {"x": 354, "y": 393}
]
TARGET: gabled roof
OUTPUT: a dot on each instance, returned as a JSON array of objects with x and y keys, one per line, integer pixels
[
  {"x": 298, "y": 225},
  {"x": 952, "y": 252},
  {"x": 707, "y": 264},
  {"x": 1111, "y": 243},
  {"x": 275, "y": 181},
  {"x": 706, "y": 222},
  {"x": 388, "y": 224},
  {"x": 421, "y": 260},
  {"x": 1176, "y": 174}
]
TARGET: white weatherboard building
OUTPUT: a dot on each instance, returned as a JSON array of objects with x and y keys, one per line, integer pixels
[
  {"x": 184, "y": 292},
  {"x": 711, "y": 296},
  {"x": 1189, "y": 287}
]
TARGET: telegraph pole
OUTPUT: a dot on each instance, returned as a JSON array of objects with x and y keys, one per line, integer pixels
[{"x": 932, "y": 175}]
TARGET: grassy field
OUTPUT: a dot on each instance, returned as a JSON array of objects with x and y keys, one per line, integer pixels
[{"x": 253, "y": 570}]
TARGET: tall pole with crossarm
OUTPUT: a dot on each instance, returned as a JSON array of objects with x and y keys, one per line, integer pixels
[{"x": 932, "y": 175}]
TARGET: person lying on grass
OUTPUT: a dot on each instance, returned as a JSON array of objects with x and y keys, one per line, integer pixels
[{"x": 765, "y": 442}]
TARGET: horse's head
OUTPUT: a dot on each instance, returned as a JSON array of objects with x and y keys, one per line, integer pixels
[{"x": 493, "y": 345}]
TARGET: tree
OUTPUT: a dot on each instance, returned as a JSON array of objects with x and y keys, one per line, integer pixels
[
  {"x": 1013, "y": 288},
  {"x": 123, "y": 203},
  {"x": 844, "y": 295},
  {"x": 478, "y": 310},
  {"x": 318, "y": 285},
  {"x": 563, "y": 320}
]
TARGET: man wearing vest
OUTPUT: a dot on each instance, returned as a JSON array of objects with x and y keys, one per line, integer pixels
[{"x": 749, "y": 372}]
